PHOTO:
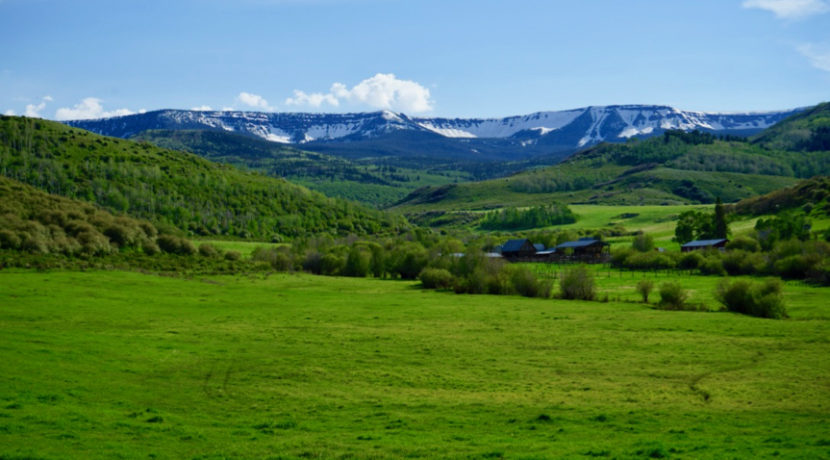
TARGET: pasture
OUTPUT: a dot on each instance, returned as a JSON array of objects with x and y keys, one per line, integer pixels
[{"x": 127, "y": 365}]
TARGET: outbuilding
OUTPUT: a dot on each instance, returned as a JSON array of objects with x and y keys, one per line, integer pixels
[
  {"x": 719, "y": 243},
  {"x": 518, "y": 248},
  {"x": 585, "y": 247}
]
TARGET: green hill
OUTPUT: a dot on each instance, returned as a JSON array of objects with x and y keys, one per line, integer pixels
[
  {"x": 172, "y": 188},
  {"x": 808, "y": 131},
  {"x": 811, "y": 195},
  {"x": 676, "y": 168},
  {"x": 34, "y": 221},
  {"x": 375, "y": 181}
]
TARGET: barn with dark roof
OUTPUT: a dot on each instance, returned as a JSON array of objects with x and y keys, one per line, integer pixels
[
  {"x": 719, "y": 243},
  {"x": 584, "y": 247},
  {"x": 518, "y": 248}
]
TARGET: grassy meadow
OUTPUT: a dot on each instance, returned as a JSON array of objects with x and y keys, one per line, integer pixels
[{"x": 129, "y": 365}]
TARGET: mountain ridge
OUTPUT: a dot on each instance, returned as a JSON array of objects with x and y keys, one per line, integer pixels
[{"x": 477, "y": 139}]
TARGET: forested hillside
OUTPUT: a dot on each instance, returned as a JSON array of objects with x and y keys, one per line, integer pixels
[
  {"x": 378, "y": 182},
  {"x": 675, "y": 168},
  {"x": 808, "y": 131},
  {"x": 37, "y": 222},
  {"x": 172, "y": 188},
  {"x": 811, "y": 195}
]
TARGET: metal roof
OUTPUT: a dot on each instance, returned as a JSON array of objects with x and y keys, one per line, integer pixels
[
  {"x": 704, "y": 243},
  {"x": 514, "y": 245},
  {"x": 580, "y": 243}
]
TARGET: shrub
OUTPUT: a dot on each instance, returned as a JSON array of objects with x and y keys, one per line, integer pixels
[
  {"x": 208, "y": 250},
  {"x": 93, "y": 243},
  {"x": 119, "y": 234},
  {"x": 357, "y": 263},
  {"x": 278, "y": 258},
  {"x": 795, "y": 266},
  {"x": 9, "y": 240},
  {"x": 233, "y": 255},
  {"x": 175, "y": 245},
  {"x": 332, "y": 264},
  {"x": 313, "y": 262},
  {"x": 150, "y": 247},
  {"x": 644, "y": 287},
  {"x": 526, "y": 283},
  {"x": 740, "y": 262},
  {"x": 672, "y": 296},
  {"x": 712, "y": 265},
  {"x": 620, "y": 257},
  {"x": 577, "y": 283},
  {"x": 649, "y": 261},
  {"x": 474, "y": 283},
  {"x": 820, "y": 273},
  {"x": 408, "y": 261},
  {"x": 690, "y": 260},
  {"x": 643, "y": 243},
  {"x": 744, "y": 243},
  {"x": 763, "y": 300},
  {"x": 33, "y": 242},
  {"x": 436, "y": 278}
]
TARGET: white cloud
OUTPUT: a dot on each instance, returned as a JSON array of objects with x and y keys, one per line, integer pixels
[
  {"x": 313, "y": 99},
  {"x": 202, "y": 108},
  {"x": 818, "y": 55},
  {"x": 9, "y": 112},
  {"x": 33, "y": 110},
  {"x": 253, "y": 100},
  {"x": 89, "y": 108},
  {"x": 383, "y": 91},
  {"x": 790, "y": 9}
]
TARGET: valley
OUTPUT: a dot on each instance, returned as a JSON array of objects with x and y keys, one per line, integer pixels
[{"x": 182, "y": 294}]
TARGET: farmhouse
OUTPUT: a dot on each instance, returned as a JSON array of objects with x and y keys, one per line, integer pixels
[
  {"x": 518, "y": 248},
  {"x": 719, "y": 243},
  {"x": 585, "y": 248}
]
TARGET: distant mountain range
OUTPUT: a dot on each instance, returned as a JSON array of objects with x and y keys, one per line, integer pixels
[{"x": 358, "y": 135}]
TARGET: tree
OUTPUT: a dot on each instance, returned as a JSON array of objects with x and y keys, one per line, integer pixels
[
  {"x": 693, "y": 225},
  {"x": 643, "y": 243},
  {"x": 644, "y": 287},
  {"x": 700, "y": 225},
  {"x": 783, "y": 227}
]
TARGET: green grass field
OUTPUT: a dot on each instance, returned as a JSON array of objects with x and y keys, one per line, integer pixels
[
  {"x": 127, "y": 365},
  {"x": 245, "y": 248}
]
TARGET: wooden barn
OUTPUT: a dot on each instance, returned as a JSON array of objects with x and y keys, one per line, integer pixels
[
  {"x": 518, "y": 248},
  {"x": 719, "y": 243},
  {"x": 585, "y": 248}
]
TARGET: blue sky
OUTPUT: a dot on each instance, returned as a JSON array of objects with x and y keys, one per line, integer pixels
[{"x": 86, "y": 58}]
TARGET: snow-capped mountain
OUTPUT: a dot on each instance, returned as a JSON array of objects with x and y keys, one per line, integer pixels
[{"x": 389, "y": 133}]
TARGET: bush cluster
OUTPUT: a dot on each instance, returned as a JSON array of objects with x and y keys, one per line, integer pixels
[
  {"x": 672, "y": 296},
  {"x": 577, "y": 284},
  {"x": 788, "y": 259},
  {"x": 757, "y": 299}
]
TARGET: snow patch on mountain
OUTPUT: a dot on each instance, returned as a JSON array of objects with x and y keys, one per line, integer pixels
[
  {"x": 536, "y": 133},
  {"x": 544, "y": 122}
]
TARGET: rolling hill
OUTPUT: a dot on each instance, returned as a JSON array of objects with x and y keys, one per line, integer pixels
[
  {"x": 373, "y": 182},
  {"x": 34, "y": 221},
  {"x": 675, "y": 168},
  {"x": 172, "y": 188}
]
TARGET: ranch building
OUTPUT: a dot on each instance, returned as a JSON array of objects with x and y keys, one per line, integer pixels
[{"x": 719, "y": 244}]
